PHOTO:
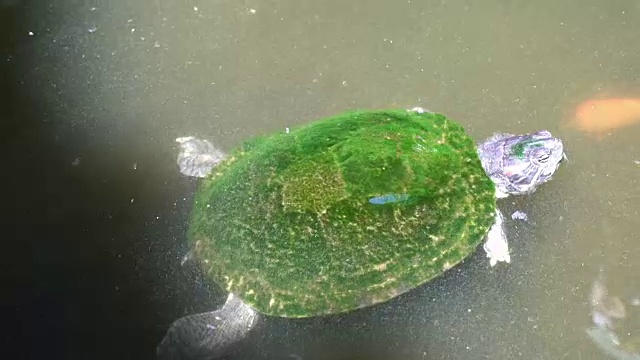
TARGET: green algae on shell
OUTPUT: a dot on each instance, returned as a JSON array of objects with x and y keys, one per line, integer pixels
[{"x": 286, "y": 224}]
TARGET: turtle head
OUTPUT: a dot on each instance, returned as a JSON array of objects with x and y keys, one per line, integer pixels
[{"x": 528, "y": 161}]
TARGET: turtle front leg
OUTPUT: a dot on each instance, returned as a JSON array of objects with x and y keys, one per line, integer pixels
[{"x": 496, "y": 246}]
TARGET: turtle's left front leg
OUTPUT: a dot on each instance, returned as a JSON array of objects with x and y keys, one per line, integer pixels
[{"x": 496, "y": 246}]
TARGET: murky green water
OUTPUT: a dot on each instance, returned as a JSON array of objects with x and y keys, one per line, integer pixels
[{"x": 118, "y": 81}]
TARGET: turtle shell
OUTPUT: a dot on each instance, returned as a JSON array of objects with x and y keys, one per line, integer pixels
[{"x": 342, "y": 213}]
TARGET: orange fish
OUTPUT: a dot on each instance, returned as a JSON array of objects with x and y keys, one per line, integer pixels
[{"x": 599, "y": 117}]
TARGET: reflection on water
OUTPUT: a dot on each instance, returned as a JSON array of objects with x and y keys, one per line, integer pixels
[
  {"x": 615, "y": 330},
  {"x": 118, "y": 81}
]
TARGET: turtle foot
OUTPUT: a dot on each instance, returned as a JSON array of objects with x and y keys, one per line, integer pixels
[
  {"x": 208, "y": 335},
  {"x": 197, "y": 157},
  {"x": 496, "y": 246}
]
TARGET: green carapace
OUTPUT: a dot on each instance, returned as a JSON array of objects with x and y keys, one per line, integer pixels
[{"x": 342, "y": 213}]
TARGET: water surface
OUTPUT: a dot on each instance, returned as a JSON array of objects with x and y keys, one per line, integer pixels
[{"x": 106, "y": 87}]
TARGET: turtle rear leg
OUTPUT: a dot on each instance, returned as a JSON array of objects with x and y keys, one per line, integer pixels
[
  {"x": 197, "y": 157},
  {"x": 208, "y": 335}
]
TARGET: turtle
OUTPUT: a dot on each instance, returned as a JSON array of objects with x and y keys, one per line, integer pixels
[{"x": 343, "y": 213}]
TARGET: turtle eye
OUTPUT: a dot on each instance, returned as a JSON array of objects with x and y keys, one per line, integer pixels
[{"x": 543, "y": 158}]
